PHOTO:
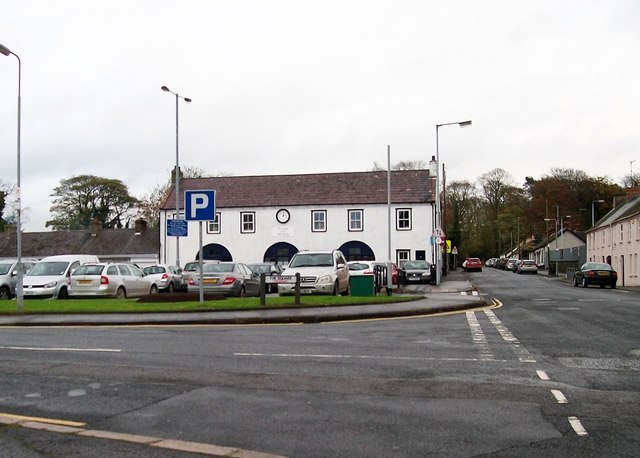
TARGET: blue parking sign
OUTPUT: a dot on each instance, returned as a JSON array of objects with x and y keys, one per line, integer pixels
[{"x": 200, "y": 205}]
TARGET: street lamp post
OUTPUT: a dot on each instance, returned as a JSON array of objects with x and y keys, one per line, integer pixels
[
  {"x": 177, "y": 170},
  {"x": 19, "y": 291},
  {"x": 438, "y": 223},
  {"x": 593, "y": 211}
]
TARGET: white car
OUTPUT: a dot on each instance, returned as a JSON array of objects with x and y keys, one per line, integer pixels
[
  {"x": 321, "y": 272},
  {"x": 119, "y": 280},
  {"x": 49, "y": 277},
  {"x": 166, "y": 278}
]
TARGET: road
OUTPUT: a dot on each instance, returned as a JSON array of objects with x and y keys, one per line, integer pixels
[{"x": 552, "y": 371}]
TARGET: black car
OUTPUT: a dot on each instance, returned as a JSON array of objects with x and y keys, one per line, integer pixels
[{"x": 595, "y": 273}]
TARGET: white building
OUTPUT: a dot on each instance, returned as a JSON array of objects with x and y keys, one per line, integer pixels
[
  {"x": 269, "y": 218},
  {"x": 615, "y": 239}
]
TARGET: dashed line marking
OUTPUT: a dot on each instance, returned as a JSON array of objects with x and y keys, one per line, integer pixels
[
  {"x": 543, "y": 375},
  {"x": 559, "y": 397},
  {"x": 87, "y": 350},
  {"x": 576, "y": 424},
  {"x": 521, "y": 352},
  {"x": 479, "y": 338}
]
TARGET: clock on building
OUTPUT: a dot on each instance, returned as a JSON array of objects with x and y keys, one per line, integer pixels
[{"x": 282, "y": 215}]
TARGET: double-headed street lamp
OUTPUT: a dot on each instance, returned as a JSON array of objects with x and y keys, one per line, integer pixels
[
  {"x": 437, "y": 230},
  {"x": 593, "y": 211},
  {"x": 177, "y": 171},
  {"x": 19, "y": 292}
]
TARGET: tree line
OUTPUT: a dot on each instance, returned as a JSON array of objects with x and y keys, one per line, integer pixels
[{"x": 485, "y": 218}]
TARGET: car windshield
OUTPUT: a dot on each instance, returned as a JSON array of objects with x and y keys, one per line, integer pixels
[
  {"x": 416, "y": 265},
  {"x": 4, "y": 268},
  {"x": 358, "y": 266},
  {"x": 597, "y": 266},
  {"x": 49, "y": 268},
  {"x": 154, "y": 270},
  {"x": 191, "y": 267},
  {"x": 312, "y": 260},
  {"x": 92, "y": 269},
  {"x": 218, "y": 268},
  {"x": 528, "y": 263}
]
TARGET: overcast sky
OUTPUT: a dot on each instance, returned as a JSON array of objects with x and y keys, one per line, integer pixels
[{"x": 297, "y": 86}]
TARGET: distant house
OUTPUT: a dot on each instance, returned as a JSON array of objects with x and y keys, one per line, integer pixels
[
  {"x": 269, "y": 218},
  {"x": 139, "y": 245},
  {"x": 615, "y": 239},
  {"x": 563, "y": 250}
]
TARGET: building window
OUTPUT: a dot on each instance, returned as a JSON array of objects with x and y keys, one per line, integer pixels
[
  {"x": 213, "y": 227},
  {"x": 402, "y": 256},
  {"x": 247, "y": 222},
  {"x": 318, "y": 220},
  {"x": 638, "y": 229},
  {"x": 622, "y": 232},
  {"x": 356, "y": 220},
  {"x": 403, "y": 219}
]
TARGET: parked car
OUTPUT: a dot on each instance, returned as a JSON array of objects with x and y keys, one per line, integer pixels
[
  {"x": 361, "y": 267},
  {"x": 509, "y": 264},
  {"x": 397, "y": 274},
  {"x": 49, "y": 277},
  {"x": 472, "y": 264},
  {"x": 166, "y": 277},
  {"x": 491, "y": 262},
  {"x": 269, "y": 270},
  {"x": 417, "y": 271},
  {"x": 516, "y": 263},
  {"x": 191, "y": 268},
  {"x": 8, "y": 274},
  {"x": 119, "y": 280},
  {"x": 228, "y": 278},
  {"x": 321, "y": 272},
  {"x": 527, "y": 266},
  {"x": 595, "y": 273}
]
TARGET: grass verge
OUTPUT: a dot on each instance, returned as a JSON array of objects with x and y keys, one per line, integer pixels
[{"x": 57, "y": 306}]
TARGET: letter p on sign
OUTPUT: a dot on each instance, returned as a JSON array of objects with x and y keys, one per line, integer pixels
[{"x": 200, "y": 205}]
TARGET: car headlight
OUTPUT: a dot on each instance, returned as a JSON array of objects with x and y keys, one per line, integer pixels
[
  {"x": 51, "y": 284},
  {"x": 325, "y": 279}
]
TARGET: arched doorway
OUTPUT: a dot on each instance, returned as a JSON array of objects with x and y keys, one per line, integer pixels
[
  {"x": 280, "y": 253},
  {"x": 215, "y": 251},
  {"x": 357, "y": 251}
]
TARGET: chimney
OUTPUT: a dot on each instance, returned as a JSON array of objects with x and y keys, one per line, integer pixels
[
  {"x": 141, "y": 226},
  {"x": 95, "y": 227},
  {"x": 632, "y": 192}
]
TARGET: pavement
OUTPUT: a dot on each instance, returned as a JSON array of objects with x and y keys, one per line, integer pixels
[{"x": 453, "y": 294}]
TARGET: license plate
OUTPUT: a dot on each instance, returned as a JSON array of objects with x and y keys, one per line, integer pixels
[
  {"x": 84, "y": 282},
  {"x": 603, "y": 274},
  {"x": 210, "y": 281}
]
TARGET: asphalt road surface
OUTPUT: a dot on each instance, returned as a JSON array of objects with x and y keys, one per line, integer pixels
[{"x": 552, "y": 370}]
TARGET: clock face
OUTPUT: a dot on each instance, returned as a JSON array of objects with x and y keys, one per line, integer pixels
[{"x": 282, "y": 215}]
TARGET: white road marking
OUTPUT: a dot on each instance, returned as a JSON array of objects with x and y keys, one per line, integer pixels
[
  {"x": 577, "y": 426},
  {"x": 479, "y": 338},
  {"x": 88, "y": 350},
  {"x": 337, "y": 356},
  {"x": 521, "y": 352},
  {"x": 559, "y": 397},
  {"x": 543, "y": 375}
]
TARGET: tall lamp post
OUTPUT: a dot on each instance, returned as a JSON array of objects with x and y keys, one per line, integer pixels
[
  {"x": 438, "y": 226},
  {"x": 177, "y": 170},
  {"x": 593, "y": 211},
  {"x": 19, "y": 291}
]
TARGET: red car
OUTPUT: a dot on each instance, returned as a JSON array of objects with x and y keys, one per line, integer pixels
[{"x": 472, "y": 264}]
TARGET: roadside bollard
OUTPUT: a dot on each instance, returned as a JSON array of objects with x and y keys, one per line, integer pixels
[
  {"x": 263, "y": 287},
  {"x": 297, "y": 301}
]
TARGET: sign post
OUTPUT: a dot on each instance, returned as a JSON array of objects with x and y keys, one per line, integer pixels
[{"x": 200, "y": 206}]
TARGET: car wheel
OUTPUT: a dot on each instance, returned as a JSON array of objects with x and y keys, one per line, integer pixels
[
  {"x": 121, "y": 293},
  {"x": 63, "y": 293},
  {"x": 154, "y": 289},
  {"x": 5, "y": 294},
  {"x": 335, "y": 289},
  {"x": 613, "y": 286},
  {"x": 575, "y": 281},
  {"x": 243, "y": 291},
  {"x": 171, "y": 288},
  {"x": 347, "y": 292},
  {"x": 585, "y": 283}
]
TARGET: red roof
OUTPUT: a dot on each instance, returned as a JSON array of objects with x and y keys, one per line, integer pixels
[{"x": 350, "y": 188}]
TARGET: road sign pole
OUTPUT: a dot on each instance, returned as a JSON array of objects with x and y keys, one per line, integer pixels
[{"x": 200, "y": 290}]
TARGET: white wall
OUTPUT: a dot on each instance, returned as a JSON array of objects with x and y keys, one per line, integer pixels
[{"x": 251, "y": 247}]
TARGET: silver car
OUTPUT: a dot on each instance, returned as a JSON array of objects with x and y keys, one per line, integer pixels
[
  {"x": 8, "y": 275},
  {"x": 228, "y": 278},
  {"x": 166, "y": 278},
  {"x": 119, "y": 280}
]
